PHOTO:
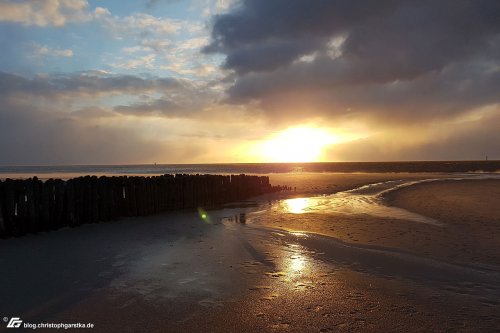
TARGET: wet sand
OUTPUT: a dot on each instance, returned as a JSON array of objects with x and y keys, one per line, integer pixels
[
  {"x": 466, "y": 210},
  {"x": 356, "y": 272},
  {"x": 309, "y": 184},
  {"x": 471, "y": 213}
]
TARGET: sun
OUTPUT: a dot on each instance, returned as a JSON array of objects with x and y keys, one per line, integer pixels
[{"x": 297, "y": 144}]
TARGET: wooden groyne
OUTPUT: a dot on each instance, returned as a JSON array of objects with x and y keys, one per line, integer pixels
[{"x": 31, "y": 205}]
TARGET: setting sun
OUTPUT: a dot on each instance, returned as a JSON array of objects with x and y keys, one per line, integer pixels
[{"x": 297, "y": 144}]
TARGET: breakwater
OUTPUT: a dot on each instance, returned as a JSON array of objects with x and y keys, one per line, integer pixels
[{"x": 31, "y": 205}]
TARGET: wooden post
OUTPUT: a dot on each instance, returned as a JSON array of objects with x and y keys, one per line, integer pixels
[
  {"x": 59, "y": 188},
  {"x": 9, "y": 206},
  {"x": 94, "y": 200},
  {"x": 69, "y": 199},
  {"x": 3, "y": 229},
  {"x": 37, "y": 203}
]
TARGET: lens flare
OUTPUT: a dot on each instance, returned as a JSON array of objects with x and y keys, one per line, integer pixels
[{"x": 204, "y": 215}]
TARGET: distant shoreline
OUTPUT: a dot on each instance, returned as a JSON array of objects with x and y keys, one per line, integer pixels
[{"x": 71, "y": 171}]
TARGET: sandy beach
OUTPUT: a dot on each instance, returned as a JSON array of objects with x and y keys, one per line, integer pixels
[
  {"x": 333, "y": 256},
  {"x": 469, "y": 209}
]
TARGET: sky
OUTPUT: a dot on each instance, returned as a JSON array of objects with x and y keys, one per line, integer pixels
[{"x": 223, "y": 81}]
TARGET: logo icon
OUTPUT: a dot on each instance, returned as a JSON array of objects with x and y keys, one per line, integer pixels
[{"x": 14, "y": 322}]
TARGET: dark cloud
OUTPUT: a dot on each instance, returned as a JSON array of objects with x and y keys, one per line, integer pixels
[
  {"x": 159, "y": 107},
  {"x": 31, "y": 135},
  {"x": 93, "y": 113},
  {"x": 83, "y": 84},
  {"x": 267, "y": 55},
  {"x": 42, "y": 120},
  {"x": 405, "y": 60},
  {"x": 408, "y": 36}
]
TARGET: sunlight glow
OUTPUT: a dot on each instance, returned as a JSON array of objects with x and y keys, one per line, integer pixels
[{"x": 298, "y": 144}]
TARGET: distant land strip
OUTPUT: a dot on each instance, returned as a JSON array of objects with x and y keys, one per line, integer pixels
[{"x": 253, "y": 168}]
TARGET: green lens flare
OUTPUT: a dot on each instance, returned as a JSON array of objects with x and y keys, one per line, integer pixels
[{"x": 204, "y": 215}]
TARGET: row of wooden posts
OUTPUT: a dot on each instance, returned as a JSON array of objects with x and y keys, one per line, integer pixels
[{"x": 32, "y": 205}]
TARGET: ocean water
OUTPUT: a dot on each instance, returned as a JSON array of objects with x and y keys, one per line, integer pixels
[{"x": 256, "y": 168}]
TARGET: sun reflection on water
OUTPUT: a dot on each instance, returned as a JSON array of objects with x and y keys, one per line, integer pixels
[
  {"x": 297, "y": 263},
  {"x": 299, "y": 234},
  {"x": 351, "y": 203},
  {"x": 297, "y": 205}
]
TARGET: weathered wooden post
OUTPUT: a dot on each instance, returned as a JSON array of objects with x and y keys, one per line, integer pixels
[
  {"x": 3, "y": 229},
  {"x": 21, "y": 208},
  {"x": 94, "y": 200},
  {"x": 37, "y": 202},
  {"x": 125, "y": 211},
  {"x": 101, "y": 200},
  {"x": 132, "y": 196},
  {"x": 176, "y": 192},
  {"x": 155, "y": 196},
  {"x": 59, "y": 203},
  {"x": 149, "y": 197},
  {"x": 169, "y": 192},
  {"x": 30, "y": 206},
  {"x": 162, "y": 193},
  {"x": 69, "y": 199},
  {"x": 78, "y": 187},
  {"x": 140, "y": 196},
  {"x": 9, "y": 203},
  {"x": 116, "y": 195}
]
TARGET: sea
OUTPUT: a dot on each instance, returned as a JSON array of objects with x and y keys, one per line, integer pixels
[{"x": 55, "y": 171}]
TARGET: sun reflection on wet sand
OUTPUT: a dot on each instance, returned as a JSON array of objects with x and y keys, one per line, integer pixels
[
  {"x": 351, "y": 202},
  {"x": 297, "y": 263},
  {"x": 293, "y": 267},
  {"x": 299, "y": 234},
  {"x": 297, "y": 205}
]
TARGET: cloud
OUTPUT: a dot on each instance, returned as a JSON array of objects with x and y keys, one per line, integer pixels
[
  {"x": 399, "y": 58},
  {"x": 138, "y": 24},
  {"x": 161, "y": 43},
  {"x": 150, "y": 45},
  {"x": 473, "y": 139},
  {"x": 156, "y": 45},
  {"x": 405, "y": 30},
  {"x": 83, "y": 84},
  {"x": 223, "y": 5},
  {"x": 146, "y": 61},
  {"x": 101, "y": 13},
  {"x": 44, "y": 51},
  {"x": 158, "y": 107},
  {"x": 44, "y": 12},
  {"x": 69, "y": 119},
  {"x": 84, "y": 95},
  {"x": 31, "y": 134}
]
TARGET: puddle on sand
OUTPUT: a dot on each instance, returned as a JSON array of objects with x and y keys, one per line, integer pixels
[
  {"x": 368, "y": 199},
  {"x": 363, "y": 200}
]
